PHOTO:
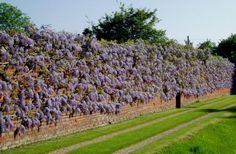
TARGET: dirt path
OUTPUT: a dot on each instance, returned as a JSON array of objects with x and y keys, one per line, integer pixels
[
  {"x": 105, "y": 137},
  {"x": 164, "y": 134}
]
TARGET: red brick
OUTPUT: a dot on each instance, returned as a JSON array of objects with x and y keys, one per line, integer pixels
[{"x": 83, "y": 122}]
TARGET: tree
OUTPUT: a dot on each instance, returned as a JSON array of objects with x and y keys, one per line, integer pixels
[
  {"x": 227, "y": 48},
  {"x": 128, "y": 24},
  {"x": 12, "y": 19},
  {"x": 207, "y": 45}
]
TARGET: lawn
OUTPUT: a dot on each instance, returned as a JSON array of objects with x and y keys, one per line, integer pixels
[
  {"x": 187, "y": 139},
  {"x": 215, "y": 139},
  {"x": 126, "y": 139},
  {"x": 129, "y": 138}
]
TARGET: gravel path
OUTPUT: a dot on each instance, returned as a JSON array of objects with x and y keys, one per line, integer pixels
[
  {"x": 105, "y": 137},
  {"x": 164, "y": 134}
]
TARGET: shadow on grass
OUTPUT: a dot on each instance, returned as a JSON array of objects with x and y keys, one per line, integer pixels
[
  {"x": 231, "y": 117},
  {"x": 231, "y": 110},
  {"x": 189, "y": 107}
]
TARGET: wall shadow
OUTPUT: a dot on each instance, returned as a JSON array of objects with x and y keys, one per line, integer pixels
[
  {"x": 231, "y": 110},
  {"x": 231, "y": 117}
]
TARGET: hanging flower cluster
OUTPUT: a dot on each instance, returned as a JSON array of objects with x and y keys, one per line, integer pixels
[{"x": 47, "y": 74}]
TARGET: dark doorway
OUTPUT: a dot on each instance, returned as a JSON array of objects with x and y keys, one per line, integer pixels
[{"x": 178, "y": 100}]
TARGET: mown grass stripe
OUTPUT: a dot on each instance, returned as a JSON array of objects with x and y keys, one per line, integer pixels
[
  {"x": 214, "y": 139},
  {"x": 133, "y": 137},
  {"x": 105, "y": 137},
  {"x": 64, "y": 141},
  {"x": 165, "y": 133},
  {"x": 184, "y": 133}
]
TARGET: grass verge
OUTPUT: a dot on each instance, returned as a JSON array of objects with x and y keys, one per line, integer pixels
[
  {"x": 126, "y": 139},
  {"x": 64, "y": 141},
  {"x": 163, "y": 145},
  {"x": 214, "y": 139}
]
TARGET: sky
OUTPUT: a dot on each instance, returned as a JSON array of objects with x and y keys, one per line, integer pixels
[{"x": 200, "y": 19}]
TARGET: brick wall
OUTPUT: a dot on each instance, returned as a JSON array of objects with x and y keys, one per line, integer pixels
[{"x": 83, "y": 122}]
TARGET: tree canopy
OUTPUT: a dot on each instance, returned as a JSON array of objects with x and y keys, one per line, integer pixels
[
  {"x": 12, "y": 19},
  {"x": 207, "y": 45},
  {"x": 128, "y": 24},
  {"x": 227, "y": 48}
]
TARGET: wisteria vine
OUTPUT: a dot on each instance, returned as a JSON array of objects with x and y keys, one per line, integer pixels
[{"x": 48, "y": 74}]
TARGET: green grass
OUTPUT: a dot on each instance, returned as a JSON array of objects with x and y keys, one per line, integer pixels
[
  {"x": 200, "y": 103},
  {"x": 187, "y": 132},
  {"x": 64, "y": 141},
  {"x": 129, "y": 138},
  {"x": 215, "y": 139}
]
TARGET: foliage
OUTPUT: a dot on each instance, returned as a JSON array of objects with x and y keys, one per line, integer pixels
[
  {"x": 46, "y": 74},
  {"x": 128, "y": 24},
  {"x": 207, "y": 45},
  {"x": 227, "y": 48},
  {"x": 12, "y": 19}
]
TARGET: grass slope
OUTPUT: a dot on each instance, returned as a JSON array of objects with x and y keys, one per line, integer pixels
[
  {"x": 185, "y": 133},
  {"x": 129, "y": 138},
  {"x": 215, "y": 139},
  {"x": 64, "y": 141}
]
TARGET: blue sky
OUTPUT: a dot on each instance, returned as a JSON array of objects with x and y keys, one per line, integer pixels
[{"x": 200, "y": 19}]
